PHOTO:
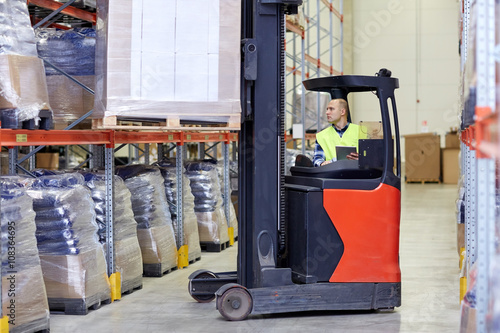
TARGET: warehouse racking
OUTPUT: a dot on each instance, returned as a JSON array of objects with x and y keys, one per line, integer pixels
[
  {"x": 103, "y": 143},
  {"x": 479, "y": 147},
  {"x": 314, "y": 48}
]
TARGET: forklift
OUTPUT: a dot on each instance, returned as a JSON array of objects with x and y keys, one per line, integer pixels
[{"x": 324, "y": 238}]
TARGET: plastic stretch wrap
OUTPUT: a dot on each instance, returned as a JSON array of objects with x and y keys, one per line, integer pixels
[
  {"x": 144, "y": 54},
  {"x": 149, "y": 204},
  {"x": 65, "y": 214},
  {"x": 190, "y": 226},
  {"x": 128, "y": 258},
  {"x": 233, "y": 221},
  {"x": 123, "y": 216},
  {"x": 23, "y": 290},
  {"x": 204, "y": 183},
  {"x": 72, "y": 50},
  {"x": 314, "y": 102},
  {"x": 72, "y": 259},
  {"x": 16, "y": 33},
  {"x": 23, "y": 90}
]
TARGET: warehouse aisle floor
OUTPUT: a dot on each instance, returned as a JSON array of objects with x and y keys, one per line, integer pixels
[{"x": 429, "y": 265}]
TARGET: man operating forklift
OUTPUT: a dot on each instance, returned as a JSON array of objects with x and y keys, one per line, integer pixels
[{"x": 340, "y": 133}]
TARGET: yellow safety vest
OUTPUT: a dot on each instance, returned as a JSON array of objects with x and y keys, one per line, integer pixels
[{"x": 328, "y": 139}]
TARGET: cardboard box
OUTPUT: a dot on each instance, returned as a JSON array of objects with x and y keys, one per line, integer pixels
[
  {"x": 49, "y": 161},
  {"x": 422, "y": 157},
  {"x": 128, "y": 261},
  {"x": 5, "y": 162},
  {"x": 452, "y": 140},
  {"x": 212, "y": 226},
  {"x": 81, "y": 276},
  {"x": 23, "y": 85},
  {"x": 158, "y": 245},
  {"x": 451, "y": 165},
  {"x": 31, "y": 312},
  {"x": 68, "y": 100}
]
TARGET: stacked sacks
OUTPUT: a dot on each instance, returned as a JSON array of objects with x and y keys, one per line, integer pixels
[
  {"x": 212, "y": 223},
  {"x": 72, "y": 51},
  {"x": 24, "y": 299},
  {"x": 154, "y": 225},
  {"x": 128, "y": 257},
  {"x": 190, "y": 225},
  {"x": 233, "y": 221},
  {"x": 73, "y": 261}
]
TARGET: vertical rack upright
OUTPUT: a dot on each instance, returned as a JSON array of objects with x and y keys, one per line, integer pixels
[
  {"x": 319, "y": 53},
  {"x": 480, "y": 151}
]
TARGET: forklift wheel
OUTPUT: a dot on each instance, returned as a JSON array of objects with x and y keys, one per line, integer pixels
[
  {"x": 235, "y": 304},
  {"x": 203, "y": 298}
]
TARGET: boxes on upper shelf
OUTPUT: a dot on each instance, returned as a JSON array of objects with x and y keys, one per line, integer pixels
[{"x": 168, "y": 60}]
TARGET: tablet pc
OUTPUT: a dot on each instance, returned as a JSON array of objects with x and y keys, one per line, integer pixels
[{"x": 343, "y": 151}]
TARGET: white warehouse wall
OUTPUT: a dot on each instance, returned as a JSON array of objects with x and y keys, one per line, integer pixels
[{"x": 418, "y": 41}]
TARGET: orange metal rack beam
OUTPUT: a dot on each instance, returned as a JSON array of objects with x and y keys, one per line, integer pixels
[
  {"x": 70, "y": 10},
  {"x": 19, "y": 137}
]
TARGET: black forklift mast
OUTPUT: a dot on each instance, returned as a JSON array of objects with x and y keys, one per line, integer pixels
[{"x": 261, "y": 173}]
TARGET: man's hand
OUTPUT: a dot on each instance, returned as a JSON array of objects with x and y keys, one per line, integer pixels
[
  {"x": 325, "y": 163},
  {"x": 353, "y": 156}
]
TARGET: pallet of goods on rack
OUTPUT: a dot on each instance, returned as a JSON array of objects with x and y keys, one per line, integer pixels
[{"x": 141, "y": 77}]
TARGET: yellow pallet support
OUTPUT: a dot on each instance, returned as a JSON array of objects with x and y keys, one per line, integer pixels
[
  {"x": 183, "y": 257},
  {"x": 116, "y": 286},
  {"x": 4, "y": 325},
  {"x": 463, "y": 275},
  {"x": 230, "y": 231}
]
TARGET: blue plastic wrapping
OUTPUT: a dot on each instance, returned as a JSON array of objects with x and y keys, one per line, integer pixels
[
  {"x": 72, "y": 259},
  {"x": 72, "y": 50},
  {"x": 190, "y": 223},
  {"x": 16, "y": 34},
  {"x": 128, "y": 257},
  {"x": 205, "y": 187},
  {"x": 65, "y": 211},
  {"x": 20, "y": 260},
  {"x": 151, "y": 211}
]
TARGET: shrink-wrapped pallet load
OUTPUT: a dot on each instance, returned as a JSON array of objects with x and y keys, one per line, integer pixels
[
  {"x": 151, "y": 58},
  {"x": 154, "y": 224},
  {"x": 72, "y": 259},
  {"x": 212, "y": 223},
  {"x": 23, "y": 89},
  {"x": 233, "y": 221},
  {"x": 24, "y": 299},
  {"x": 190, "y": 223},
  {"x": 128, "y": 257},
  {"x": 72, "y": 51}
]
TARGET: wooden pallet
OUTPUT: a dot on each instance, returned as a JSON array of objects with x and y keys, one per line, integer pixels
[
  {"x": 172, "y": 123},
  {"x": 423, "y": 181},
  {"x": 10, "y": 119},
  {"x": 76, "y": 306},
  {"x": 41, "y": 325},
  {"x": 130, "y": 286},
  {"x": 194, "y": 260},
  {"x": 213, "y": 247},
  {"x": 156, "y": 270}
]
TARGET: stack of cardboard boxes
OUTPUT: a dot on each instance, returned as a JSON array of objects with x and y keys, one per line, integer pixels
[{"x": 426, "y": 161}]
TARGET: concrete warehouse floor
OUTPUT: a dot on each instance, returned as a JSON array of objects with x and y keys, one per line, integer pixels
[{"x": 430, "y": 286}]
